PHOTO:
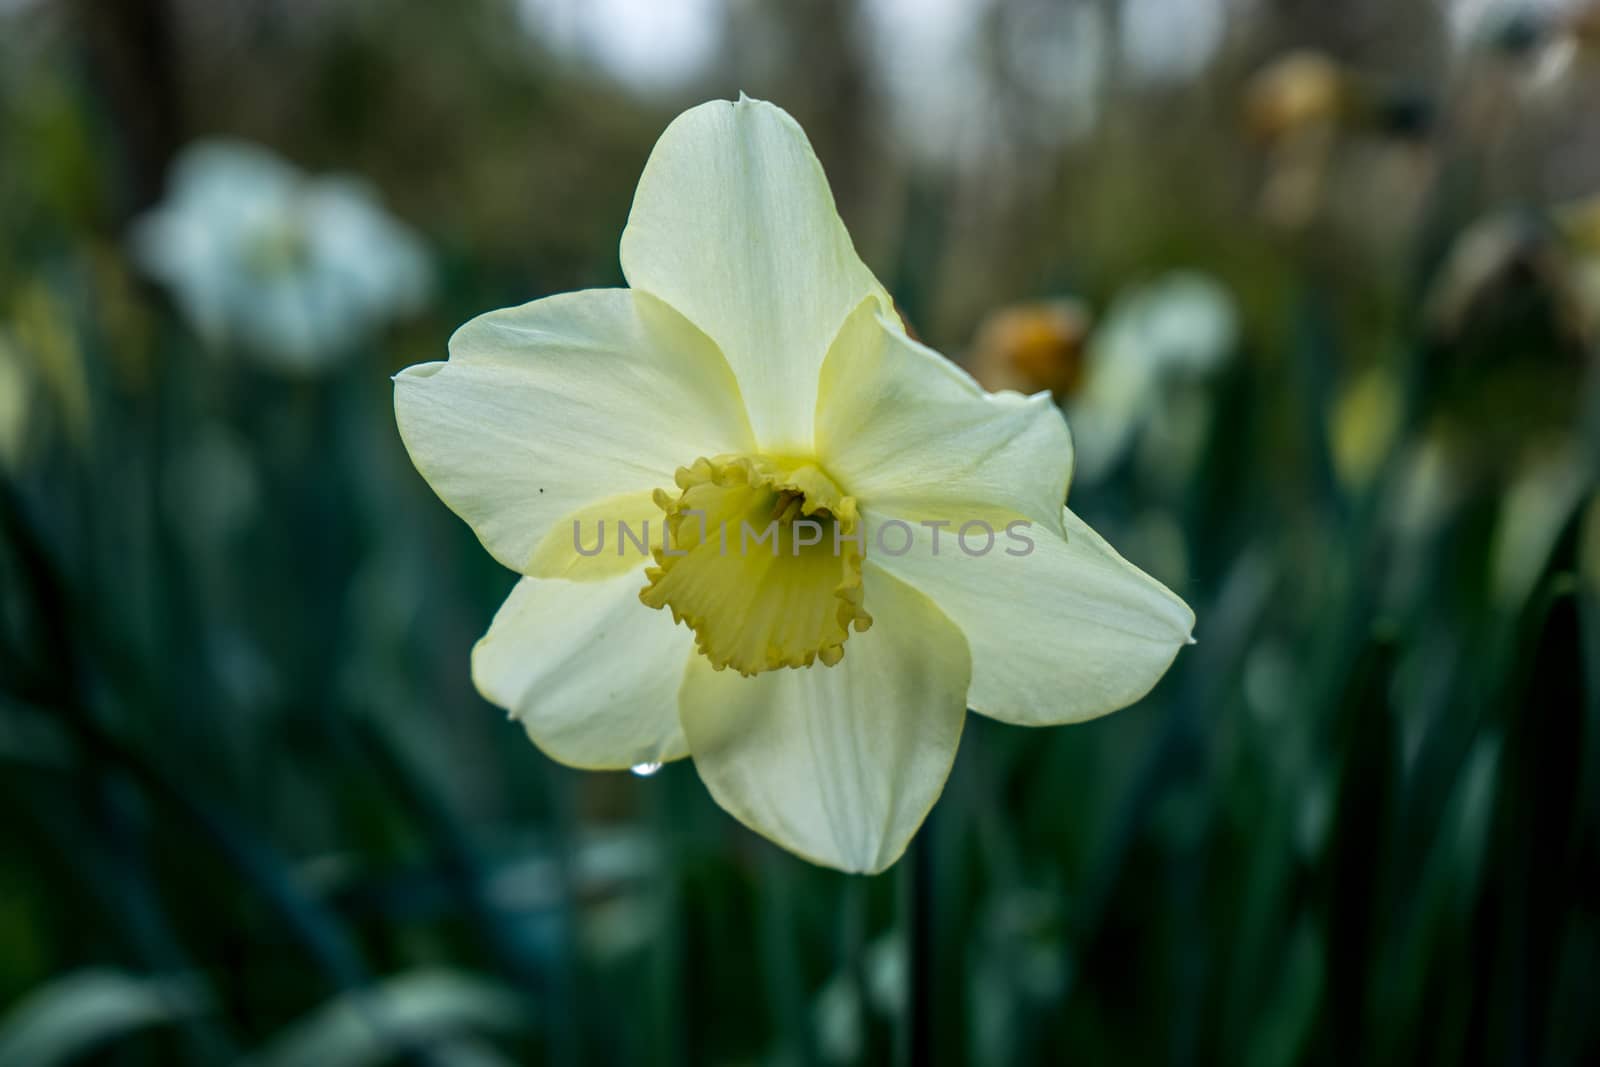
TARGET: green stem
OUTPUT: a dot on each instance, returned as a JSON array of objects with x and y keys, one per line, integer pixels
[{"x": 916, "y": 1039}]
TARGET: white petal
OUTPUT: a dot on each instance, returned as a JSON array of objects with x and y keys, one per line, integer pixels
[
  {"x": 550, "y": 407},
  {"x": 905, "y": 431},
  {"x": 838, "y": 764},
  {"x": 733, "y": 224},
  {"x": 602, "y": 540},
  {"x": 592, "y": 673},
  {"x": 1066, "y": 632}
]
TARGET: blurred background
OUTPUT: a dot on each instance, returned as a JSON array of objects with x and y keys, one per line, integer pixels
[{"x": 1318, "y": 286}]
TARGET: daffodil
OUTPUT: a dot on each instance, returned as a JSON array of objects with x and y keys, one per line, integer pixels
[
  {"x": 1181, "y": 326},
  {"x": 755, "y": 378},
  {"x": 291, "y": 269}
]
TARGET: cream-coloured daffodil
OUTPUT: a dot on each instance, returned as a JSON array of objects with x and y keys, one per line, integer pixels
[{"x": 755, "y": 378}]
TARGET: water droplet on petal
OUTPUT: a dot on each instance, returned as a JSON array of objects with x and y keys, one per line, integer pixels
[{"x": 645, "y": 770}]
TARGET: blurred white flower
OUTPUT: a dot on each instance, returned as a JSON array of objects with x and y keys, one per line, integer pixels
[
  {"x": 1184, "y": 325},
  {"x": 1055, "y": 54},
  {"x": 645, "y": 45},
  {"x": 1167, "y": 41},
  {"x": 292, "y": 269}
]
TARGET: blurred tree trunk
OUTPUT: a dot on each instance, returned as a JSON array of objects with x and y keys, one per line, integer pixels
[{"x": 130, "y": 53}]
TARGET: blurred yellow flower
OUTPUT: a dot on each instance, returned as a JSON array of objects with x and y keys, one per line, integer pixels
[
  {"x": 755, "y": 378},
  {"x": 1366, "y": 419},
  {"x": 1295, "y": 94},
  {"x": 1029, "y": 347}
]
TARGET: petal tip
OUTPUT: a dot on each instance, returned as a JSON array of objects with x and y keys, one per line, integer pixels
[{"x": 417, "y": 370}]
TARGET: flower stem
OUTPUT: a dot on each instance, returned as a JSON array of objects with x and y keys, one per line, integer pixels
[{"x": 916, "y": 1038}]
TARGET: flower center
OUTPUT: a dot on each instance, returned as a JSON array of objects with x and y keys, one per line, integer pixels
[
  {"x": 763, "y": 562},
  {"x": 277, "y": 247}
]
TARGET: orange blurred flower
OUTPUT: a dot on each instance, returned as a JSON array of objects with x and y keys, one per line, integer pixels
[{"x": 1032, "y": 347}]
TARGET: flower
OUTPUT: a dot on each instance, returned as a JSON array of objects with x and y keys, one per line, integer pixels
[
  {"x": 755, "y": 377},
  {"x": 1165, "y": 44},
  {"x": 1364, "y": 424},
  {"x": 1028, "y": 347},
  {"x": 1297, "y": 93},
  {"x": 294, "y": 270},
  {"x": 1182, "y": 325}
]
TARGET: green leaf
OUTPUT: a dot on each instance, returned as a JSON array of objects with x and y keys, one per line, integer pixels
[
  {"x": 420, "y": 1008},
  {"x": 78, "y": 1012}
]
